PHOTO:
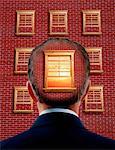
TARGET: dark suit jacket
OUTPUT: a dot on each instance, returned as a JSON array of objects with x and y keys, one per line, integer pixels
[{"x": 58, "y": 130}]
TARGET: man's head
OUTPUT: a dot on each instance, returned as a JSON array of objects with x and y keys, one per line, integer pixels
[{"x": 36, "y": 73}]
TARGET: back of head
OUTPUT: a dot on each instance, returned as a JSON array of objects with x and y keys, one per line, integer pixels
[{"x": 59, "y": 62}]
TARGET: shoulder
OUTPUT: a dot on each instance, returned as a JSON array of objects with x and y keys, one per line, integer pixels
[
  {"x": 94, "y": 140},
  {"x": 80, "y": 138},
  {"x": 16, "y": 141}
]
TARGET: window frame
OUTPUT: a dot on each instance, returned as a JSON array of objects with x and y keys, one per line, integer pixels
[
  {"x": 17, "y": 51},
  {"x": 96, "y": 49},
  {"x": 59, "y": 53},
  {"x": 85, "y": 12},
  {"x": 25, "y": 12},
  {"x": 58, "y": 12},
  {"x": 93, "y": 88},
  {"x": 21, "y": 88}
]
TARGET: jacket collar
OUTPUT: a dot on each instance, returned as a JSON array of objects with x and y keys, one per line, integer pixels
[
  {"x": 64, "y": 110},
  {"x": 58, "y": 118}
]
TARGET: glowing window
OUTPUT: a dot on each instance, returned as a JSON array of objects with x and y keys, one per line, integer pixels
[
  {"x": 21, "y": 59},
  {"x": 25, "y": 22},
  {"x": 91, "y": 22},
  {"x": 23, "y": 103},
  {"x": 95, "y": 56},
  {"x": 58, "y": 22},
  {"x": 94, "y": 99},
  {"x": 59, "y": 71}
]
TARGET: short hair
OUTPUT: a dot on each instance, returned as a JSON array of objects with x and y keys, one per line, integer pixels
[{"x": 36, "y": 72}]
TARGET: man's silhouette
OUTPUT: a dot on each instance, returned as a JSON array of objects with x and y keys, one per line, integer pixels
[{"x": 58, "y": 124}]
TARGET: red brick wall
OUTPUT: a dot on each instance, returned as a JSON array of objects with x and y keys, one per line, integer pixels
[{"x": 11, "y": 123}]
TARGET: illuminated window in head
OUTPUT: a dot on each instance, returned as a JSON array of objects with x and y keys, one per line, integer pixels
[{"x": 59, "y": 70}]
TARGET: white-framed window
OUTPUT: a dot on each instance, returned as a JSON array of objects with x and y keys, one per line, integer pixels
[
  {"x": 25, "y": 22},
  {"x": 91, "y": 22},
  {"x": 94, "y": 99},
  {"x": 95, "y": 56},
  {"x": 58, "y": 22},
  {"x": 21, "y": 60},
  {"x": 23, "y": 102}
]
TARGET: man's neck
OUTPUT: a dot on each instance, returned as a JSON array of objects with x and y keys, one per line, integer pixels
[
  {"x": 74, "y": 107},
  {"x": 63, "y": 110}
]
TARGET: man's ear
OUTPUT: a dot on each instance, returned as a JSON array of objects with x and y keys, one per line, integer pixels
[
  {"x": 85, "y": 90},
  {"x": 31, "y": 91}
]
